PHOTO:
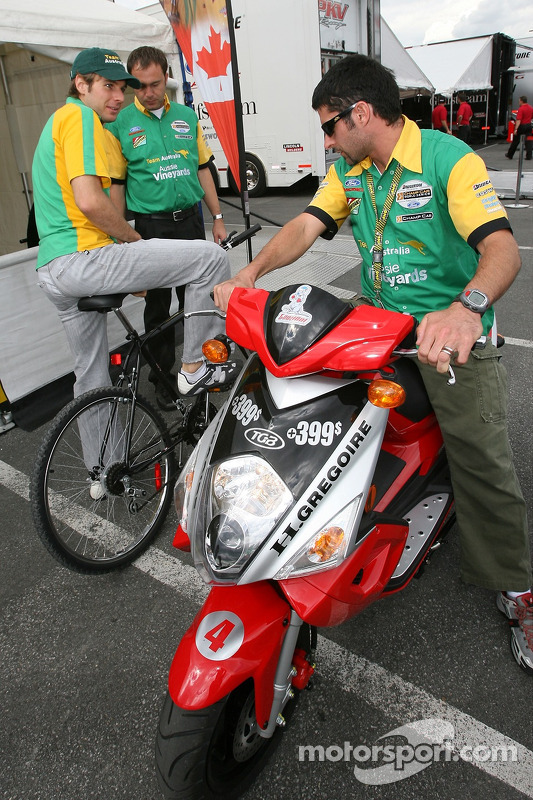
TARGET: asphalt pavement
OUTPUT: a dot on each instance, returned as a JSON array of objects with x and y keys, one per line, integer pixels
[{"x": 84, "y": 660}]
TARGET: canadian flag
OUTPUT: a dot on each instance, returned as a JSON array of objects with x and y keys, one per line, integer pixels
[{"x": 202, "y": 32}]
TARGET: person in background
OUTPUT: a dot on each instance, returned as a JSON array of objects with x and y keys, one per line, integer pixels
[
  {"x": 167, "y": 175},
  {"x": 458, "y": 257},
  {"x": 439, "y": 117},
  {"x": 522, "y": 127},
  {"x": 464, "y": 117}
]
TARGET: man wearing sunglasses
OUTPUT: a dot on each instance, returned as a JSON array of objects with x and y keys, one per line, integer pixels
[{"x": 436, "y": 243}]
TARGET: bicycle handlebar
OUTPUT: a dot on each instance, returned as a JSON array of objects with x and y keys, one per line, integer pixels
[{"x": 235, "y": 238}]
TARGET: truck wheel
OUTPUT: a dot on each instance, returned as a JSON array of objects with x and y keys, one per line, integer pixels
[
  {"x": 214, "y": 753},
  {"x": 255, "y": 177}
]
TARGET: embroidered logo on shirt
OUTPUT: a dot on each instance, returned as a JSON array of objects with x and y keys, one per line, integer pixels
[
  {"x": 414, "y": 194},
  {"x": 180, "y": 126},
  {"x": 353, "y": 204},
  {"x": 417, "y": 245},
  {"x": 136, "y": 129},
  {"x": 352, "y": 183},
  {"x": 138, "y": 141},
  {"x": 414, "y": 217}
]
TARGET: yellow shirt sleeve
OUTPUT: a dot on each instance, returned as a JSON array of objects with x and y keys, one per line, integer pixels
[
  {"x": 330, "y": 198},
  {"x": 472, "y": 201},
  {"x": 72, "y": 135},
  {"x": 204, "y": 151},
  {"x": 118, "y": 165}
]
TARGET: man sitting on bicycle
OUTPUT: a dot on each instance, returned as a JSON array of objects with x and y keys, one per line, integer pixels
[{"x": 87, "y": 248}]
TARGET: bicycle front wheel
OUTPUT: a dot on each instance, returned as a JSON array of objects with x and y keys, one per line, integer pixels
[{"x": 102, "y": 485}]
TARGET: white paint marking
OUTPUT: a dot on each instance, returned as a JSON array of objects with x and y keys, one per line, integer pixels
[
  {"x": 373, "y": 684},
  {"x": 518, "y": 342}
]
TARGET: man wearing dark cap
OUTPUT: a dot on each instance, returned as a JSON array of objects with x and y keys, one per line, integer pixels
[{"x": 87, "y": 248}]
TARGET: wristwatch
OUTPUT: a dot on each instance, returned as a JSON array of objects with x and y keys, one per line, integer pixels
[
  {"x": 475, "y": 300},
  {"x": 218, "y": 216}
]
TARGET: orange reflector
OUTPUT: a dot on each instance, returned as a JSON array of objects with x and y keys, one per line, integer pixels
[
  {"x": 371, "y": 499},
  {"x": 386, "y": 394},
  {"x": 326, "y": 545},
  {"x": 215, "y": 351},
  {"x": 157, "y": 477},
  {"x": 116, "y": 359}
]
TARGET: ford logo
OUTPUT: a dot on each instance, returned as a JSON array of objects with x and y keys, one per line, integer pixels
[{"x": 263, "y": 438}]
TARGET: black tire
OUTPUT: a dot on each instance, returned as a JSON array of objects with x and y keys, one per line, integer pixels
[
  {"x": 96, "y": 535},
  {"x": 214, "y": 753},
  {"x": 255, "y": 177}
]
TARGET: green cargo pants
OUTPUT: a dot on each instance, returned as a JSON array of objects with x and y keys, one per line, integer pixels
[{"x": 490, "y": 507}]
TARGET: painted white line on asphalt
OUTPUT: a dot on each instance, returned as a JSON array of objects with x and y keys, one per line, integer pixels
[
  {"x": 518, "y": 342},
  {"x": 403, "y": 701},
  {"x": 398, "y": 699}
]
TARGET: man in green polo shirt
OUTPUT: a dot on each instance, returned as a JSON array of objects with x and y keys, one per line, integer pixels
[
  {"x": 435, "y": 243},
  {"x": 165, "y": 175}
]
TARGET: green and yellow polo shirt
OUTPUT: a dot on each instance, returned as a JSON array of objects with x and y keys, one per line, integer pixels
[
  {"x": 444, "y": 206},
  {"x": 160, "y": 157},
  {"x": 73, "y": 143}
]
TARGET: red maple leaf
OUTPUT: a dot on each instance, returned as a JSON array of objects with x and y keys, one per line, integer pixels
[{"x": 214, "y": 62}]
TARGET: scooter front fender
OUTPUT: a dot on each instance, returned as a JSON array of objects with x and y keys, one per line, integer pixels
[{"x": 236, "y": 635}]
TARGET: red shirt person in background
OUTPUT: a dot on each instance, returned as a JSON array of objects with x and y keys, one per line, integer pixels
[
  {"x": 522, "y": 127},
  {"x": 439, "y": 117},
  {"x": 464, "y": 115}
]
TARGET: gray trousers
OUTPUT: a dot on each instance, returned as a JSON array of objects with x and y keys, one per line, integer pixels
[
  {"x": 490, "y": 508},
  {"x": 133, "y": 267}
]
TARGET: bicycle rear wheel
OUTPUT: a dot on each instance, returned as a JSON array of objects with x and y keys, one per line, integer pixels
[{"x": 93, "y": 508}]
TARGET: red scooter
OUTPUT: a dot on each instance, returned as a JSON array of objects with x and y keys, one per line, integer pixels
[{"x": 320, "y": 486}]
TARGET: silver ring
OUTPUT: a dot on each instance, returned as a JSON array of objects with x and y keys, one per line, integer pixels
[{"x": 448, "y": 350}]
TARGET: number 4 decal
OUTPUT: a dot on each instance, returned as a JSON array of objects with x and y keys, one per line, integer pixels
[{"x": 219, "y": 635}]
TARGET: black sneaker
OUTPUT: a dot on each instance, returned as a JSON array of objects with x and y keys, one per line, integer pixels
[
  {"x": 215, "y": 378},
  {"x": 163, "y": 398}
]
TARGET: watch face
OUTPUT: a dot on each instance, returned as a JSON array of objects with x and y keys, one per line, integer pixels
[{"x": 476, "y": 298}]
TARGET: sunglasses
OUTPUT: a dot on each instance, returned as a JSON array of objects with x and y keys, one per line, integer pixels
[{"x": 329, "y": 126}]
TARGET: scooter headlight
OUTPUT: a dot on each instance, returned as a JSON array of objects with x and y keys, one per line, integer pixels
[{"x": 246, "y": 500}]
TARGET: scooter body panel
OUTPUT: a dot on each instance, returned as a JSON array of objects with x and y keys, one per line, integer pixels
[
  {"x": 236, "y": 635},
  {"x": 334, "y": 596}
]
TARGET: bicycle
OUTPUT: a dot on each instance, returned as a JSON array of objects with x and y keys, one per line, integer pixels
[{"x": 101, "y": 517}]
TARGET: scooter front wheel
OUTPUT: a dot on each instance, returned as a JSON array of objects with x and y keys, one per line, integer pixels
[{"x": 213, "y": 753}]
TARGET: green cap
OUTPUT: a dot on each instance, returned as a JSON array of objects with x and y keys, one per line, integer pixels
[{"x": 103, "y": 62}]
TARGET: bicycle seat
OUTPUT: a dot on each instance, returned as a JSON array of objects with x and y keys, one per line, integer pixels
[{"x": 101, "y": 302}]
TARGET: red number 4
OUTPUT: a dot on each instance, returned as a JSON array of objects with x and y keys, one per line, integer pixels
[{"x": 218, "y": 635}]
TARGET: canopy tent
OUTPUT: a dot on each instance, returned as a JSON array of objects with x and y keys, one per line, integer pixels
[
  {"x": 464, "y": 64},
  {"x": 61, "y": 28},
  {"x": 409, "y": 76}
]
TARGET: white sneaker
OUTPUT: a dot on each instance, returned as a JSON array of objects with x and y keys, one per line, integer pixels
[
  {"x": 519, "y": 612},
  {"x": 213, "y": 379}
]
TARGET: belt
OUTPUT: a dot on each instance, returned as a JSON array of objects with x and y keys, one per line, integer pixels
[{"x": 178, "y": 215}]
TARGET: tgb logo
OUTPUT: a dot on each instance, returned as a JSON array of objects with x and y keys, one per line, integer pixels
[{"x": 264, "y": 438}]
